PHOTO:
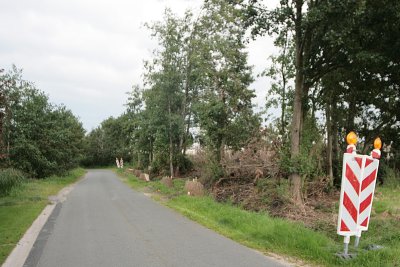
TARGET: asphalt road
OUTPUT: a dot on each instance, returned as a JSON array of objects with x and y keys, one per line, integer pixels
[{"x": 105, "y": 223}]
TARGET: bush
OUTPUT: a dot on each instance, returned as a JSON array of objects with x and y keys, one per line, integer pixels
[
  {"x": 9, "y": 179},
  {"x": 184, "y": 163},
  {"x": 390, "y": 176}
]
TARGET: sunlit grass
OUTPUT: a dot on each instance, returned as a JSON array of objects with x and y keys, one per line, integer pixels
[
  {"x": 267, "y": 234},
  {"x": 24, "y": 204}
]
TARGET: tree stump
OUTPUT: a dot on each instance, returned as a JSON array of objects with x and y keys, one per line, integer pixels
[
  {"x": 167, "y": 181},
  {"x": 137, "y": 173},
  {"x": 145, "y": 177},
  {"x": 194, "y": 188}
]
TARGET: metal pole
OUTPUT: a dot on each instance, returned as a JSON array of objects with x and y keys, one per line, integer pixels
[
  {"x": 346, "y": 249},
  {"x": 358, "y": 237},
  {"x": 346, "y": 245},
  {"x": 357, "y": 241}
]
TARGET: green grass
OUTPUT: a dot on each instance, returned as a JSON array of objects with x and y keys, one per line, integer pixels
[
  {"x": 256, "y": 230},
  {"x": 169, "y": 191},
  {"x": 154, "y": 186},
  {"x": 131, "y": 180},
  {"x": 387, "y": 200},
  {"x": 24, "y": 204},
  {"x": 267, "y": 234}
]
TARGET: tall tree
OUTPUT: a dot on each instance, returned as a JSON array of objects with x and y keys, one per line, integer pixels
[
  {"x": 224, "y": 110},
  {"x": 168, "y": 94},
  {"x": 3, "y": 106},
  {"x": 317, "y": 28}
]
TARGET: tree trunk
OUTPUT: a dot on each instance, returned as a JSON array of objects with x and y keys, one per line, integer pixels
[
  {"x": 222, "y": 151},
  {"x": 171, "y": 156},
  {"x": 2, "y": 149},
  {"x": 171, "y": 152},
  {"x": 182, "y": 140},
  {"x": 335, "y": 143},
  {"x": 187, "y": 134},
  {"x": 284, "y": 82},
  {"x": 329, "y": 142},
  {"x": 295, "y": 178},
  {"x": 3, "y": 104},
  {"x": 351, "y": 115},
  {"x": 295, "y": 140}
]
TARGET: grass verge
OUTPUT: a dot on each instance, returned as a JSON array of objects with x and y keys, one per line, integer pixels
[
  {"x": 267, "y": 234},
  {"x": 24, "y": 204}
]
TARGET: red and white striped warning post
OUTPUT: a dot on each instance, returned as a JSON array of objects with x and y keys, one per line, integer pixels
[{"x": 357, "y": 192}]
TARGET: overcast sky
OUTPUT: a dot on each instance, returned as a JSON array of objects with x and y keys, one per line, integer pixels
[{"x": 87, "y": 54}]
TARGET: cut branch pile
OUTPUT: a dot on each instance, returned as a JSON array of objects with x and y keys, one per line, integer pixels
[
  {"x": 257, "y": 160},
  {"x": 245, "y": 195}
]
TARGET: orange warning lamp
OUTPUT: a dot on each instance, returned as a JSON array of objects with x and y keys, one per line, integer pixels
[
  {"x": 351, "y": 138},
  {"x": 377, "y": 143}
]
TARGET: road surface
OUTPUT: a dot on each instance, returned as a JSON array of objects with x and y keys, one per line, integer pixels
[{"x": 105, "y": 223}]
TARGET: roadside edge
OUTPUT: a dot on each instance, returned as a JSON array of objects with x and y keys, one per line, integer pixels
[{"x": 21, "y": 251}]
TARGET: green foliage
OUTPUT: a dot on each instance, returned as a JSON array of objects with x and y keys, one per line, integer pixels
[
  {"x": 108, "y": 141},
  {"x": 390, "y": 176},
  {"x": 198, "y": 78},
  {"x": 212, "y": 171},
  {"x": 162, "y": 131},
  {"x": 345, "y": 66},
  {"x": 309, "y": 163},
  {"x": 282, "y": 72},
  {"x": 274, "y": 193},
  {"x": 302, "y": 164},
  {"x": 186, "y": 165},
  {"x": 9, "y": 179},
  {"x": 225, "y": 111},
  {"x": 42, "y": 139}
]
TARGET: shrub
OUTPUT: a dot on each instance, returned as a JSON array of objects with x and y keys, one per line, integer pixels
[
  {"x": 390, "y": 176},
  {"x": 184, "y": 163},
  {"x": 9, "y": 179}
]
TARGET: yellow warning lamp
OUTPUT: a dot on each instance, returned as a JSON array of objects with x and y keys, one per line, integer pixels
[
  {"x": 377, "y": 143},
  {"x": 351, "y": 138}
]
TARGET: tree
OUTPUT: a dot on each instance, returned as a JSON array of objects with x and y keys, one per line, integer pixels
[
  {"x": 281, "y": 71},
  {"x": 3, "y": 105},
  {"x": 165, "y": 78},
  {"x": 108, "y": 141},
  {"x": 319, "y": 30},
  {"x": 42, "y": 139},
  {"x": 224, "y": 109}
]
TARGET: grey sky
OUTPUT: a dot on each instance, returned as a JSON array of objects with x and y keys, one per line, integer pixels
[{"x": 88, "y": 54}]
